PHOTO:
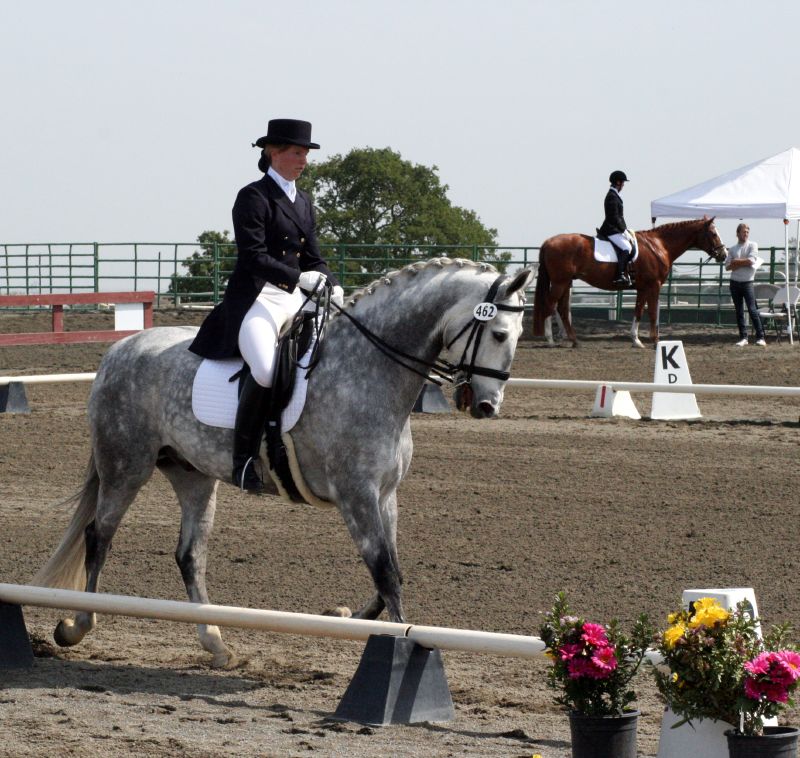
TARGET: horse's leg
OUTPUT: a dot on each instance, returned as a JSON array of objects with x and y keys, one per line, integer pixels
[
  {"x": 112, "y": 503},
  {"x": 553, "y": 309},
  {"x": 652, "y": 311},
  {"x": 376, "y": 605},
  {"x": 548, "y": 331},
  {"x": 637, "y": 317},
  {"x": 197, "y": 494},
  {"x": 373, "y": 529},
  {"x": 565, "y": 313}
]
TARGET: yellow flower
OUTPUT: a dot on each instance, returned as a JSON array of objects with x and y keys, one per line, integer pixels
[
  {"x": 673, "y": 634},
  {"x": 708, "y": 612},
  {"x": 674, "y": 676},
  {"x": 673, "y": 617}
]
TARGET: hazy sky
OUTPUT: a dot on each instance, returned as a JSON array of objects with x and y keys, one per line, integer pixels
[{"x": 132, "y": 121}]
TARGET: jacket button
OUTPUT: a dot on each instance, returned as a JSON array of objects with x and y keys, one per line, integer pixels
[
  {"x": 297, "y": 254},
  {"x": 283, "y": 252},
  {"x": 302, "y": 239}
]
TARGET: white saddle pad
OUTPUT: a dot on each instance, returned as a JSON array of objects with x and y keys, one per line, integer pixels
[
  {"x": 605, "y": 253},
  {"x": 215, "y": 399}
]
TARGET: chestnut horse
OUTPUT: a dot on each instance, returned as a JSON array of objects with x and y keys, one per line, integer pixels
[{"x": 571, "y": 256}]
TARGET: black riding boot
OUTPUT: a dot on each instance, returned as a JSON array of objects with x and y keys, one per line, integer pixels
[
  {"x": 622, "y": 279},
  {"x": 251, "y": 416}
]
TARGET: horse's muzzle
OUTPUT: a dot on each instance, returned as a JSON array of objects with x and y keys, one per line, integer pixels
[{"x": 466, "y": 401}]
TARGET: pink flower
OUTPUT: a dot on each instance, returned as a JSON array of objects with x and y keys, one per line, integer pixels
[
  {"x": 604, "y": 661},
  {"x": 791, "y": 660},
  {"x": 759, "y": 665},
  {"x": 775, "y": 693},
  {"x": 781, "y": 673},
  {"x": 752, "y": 689},
  {"x": 580, "y": 667},
  {"x": 594, "y": 634},
  {"x": 569, "y": 650}
]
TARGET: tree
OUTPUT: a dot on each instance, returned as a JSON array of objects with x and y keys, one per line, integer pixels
[
  {"x": 217, "y": 253},
  {"x": 373, "y": 197},
  {"x": 389, "y": 210}
]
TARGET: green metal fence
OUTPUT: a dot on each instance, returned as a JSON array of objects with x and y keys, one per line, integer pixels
[{"x": 694, "y": 292}]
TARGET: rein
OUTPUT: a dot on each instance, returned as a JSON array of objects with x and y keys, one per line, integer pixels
[{"x": 444, "y": 371}]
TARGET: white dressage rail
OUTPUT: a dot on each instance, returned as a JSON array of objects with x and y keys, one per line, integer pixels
[
  {"x": 49, "y": 378},
  {"x": 444, "y": 638},
  {"x": 509, "y": 645},
  {"x": 547, "y": 384},
  {"x": 697, "y": 389}
]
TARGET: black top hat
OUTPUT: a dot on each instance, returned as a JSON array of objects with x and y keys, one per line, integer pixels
[{"x": 287, "y": 131}]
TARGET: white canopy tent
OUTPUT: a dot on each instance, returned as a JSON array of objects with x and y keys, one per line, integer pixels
[{"x": 769, "y": 188}]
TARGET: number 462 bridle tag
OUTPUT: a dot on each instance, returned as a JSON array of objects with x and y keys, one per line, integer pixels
[{"x": 484, "y": 311}]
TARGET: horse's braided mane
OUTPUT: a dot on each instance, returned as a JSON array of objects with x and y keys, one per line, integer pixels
[
  {"x": 412, "y": 269},
  {"x": 672, "y": 225}
]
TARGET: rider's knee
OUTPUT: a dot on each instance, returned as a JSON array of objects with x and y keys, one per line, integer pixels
[{"x": 261, "y": 373}]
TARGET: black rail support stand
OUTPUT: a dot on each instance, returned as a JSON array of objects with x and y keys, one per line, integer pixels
[
  {"x": 397, "y": 682},
  {"x": 13, "y": 398},
  {"x": 431, "y": 399},
  {"x": 15, "y": 645}
]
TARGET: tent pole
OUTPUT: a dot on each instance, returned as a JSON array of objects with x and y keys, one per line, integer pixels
[
  {"x": 796, "y": 252},
  {"x": 786, "y": 266}
]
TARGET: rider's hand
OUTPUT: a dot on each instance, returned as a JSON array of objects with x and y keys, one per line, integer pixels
[
  {"x": 337, "y": 296},
  {"x": 310, "y": 280}
]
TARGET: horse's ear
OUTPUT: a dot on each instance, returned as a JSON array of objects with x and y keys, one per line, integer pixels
[{"x": 520, "y": 281}]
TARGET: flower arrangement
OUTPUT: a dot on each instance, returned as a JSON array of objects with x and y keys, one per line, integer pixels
[
  {"x": 592, "y": 664},
  {"x": 719, "y": 667}
]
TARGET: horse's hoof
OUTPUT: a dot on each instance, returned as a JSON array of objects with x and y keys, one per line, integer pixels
[
  {"x": 341, "y": 611},
  {"x": 65, "y": 635},
  {"x": 226, "y": 660}
]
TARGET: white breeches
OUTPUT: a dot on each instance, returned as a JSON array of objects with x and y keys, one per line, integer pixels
[
  {"x": 258, "y": 334},
  {"x": 620, "y": 240}
]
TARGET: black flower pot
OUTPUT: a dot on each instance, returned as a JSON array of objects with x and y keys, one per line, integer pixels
[
  {"x": 776, "y": 742},
  {"x": 603, "y": 736}
]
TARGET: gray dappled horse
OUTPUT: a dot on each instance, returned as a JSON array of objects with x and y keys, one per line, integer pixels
[{"x": 353, "y": 440}]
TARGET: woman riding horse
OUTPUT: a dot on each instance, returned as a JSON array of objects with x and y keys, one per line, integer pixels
[
  {"x": 567, "y": 257},
  {"x": 278, "y": 256},
  {"x": 614, "y": 227}
]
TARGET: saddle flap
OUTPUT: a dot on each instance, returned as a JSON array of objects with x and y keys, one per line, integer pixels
[{"x": 293, "y": 344}]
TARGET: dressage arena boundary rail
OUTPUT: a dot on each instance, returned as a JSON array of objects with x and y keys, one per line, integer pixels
[
  {"x": 465, "y": 640},
  {"x": 563, "y": 384},
  {"x": 57, "y": 335}
]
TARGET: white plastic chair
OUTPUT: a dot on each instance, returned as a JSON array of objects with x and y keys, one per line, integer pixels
[
  {"x": 765, "y": 291},
  {"x": 777, "y": 314}
]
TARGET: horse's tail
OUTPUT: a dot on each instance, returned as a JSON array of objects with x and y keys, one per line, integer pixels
[
  {"x": 66, "y": 566},
  {"x": 540, "y": 295}
]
